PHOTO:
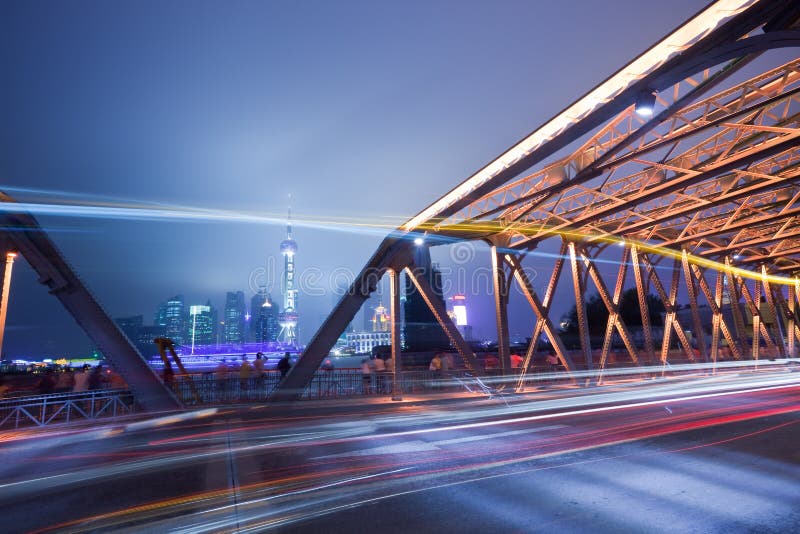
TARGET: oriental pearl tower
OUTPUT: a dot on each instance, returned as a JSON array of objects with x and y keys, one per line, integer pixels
[{"x": 287, "y": 319}]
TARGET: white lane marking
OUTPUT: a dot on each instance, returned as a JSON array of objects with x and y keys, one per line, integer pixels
[
  {"x": 496, "y": 435},
  {"x": 422, "y": 446},
  {"x": 170, "y": 419}
]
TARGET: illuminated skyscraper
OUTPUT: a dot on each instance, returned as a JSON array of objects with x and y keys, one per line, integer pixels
[
  {"x": 171, "y": 316},
  {"x": 264, "y": 326},
  {"x": 202, "y": 321},
  {"x": 288, "y": 317},
  {"x": 234, "y": 318},
  {"x": 459, "y": 316}
]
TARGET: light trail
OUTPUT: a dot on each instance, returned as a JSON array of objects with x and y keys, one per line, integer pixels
[{"x": 127, "y": 210}]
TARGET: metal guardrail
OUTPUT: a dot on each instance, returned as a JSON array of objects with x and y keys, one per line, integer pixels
[
  {"x": 207, "y": 388},
  {"x": 42, "y": 410}
]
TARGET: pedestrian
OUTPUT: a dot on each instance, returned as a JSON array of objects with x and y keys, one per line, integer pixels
[
  {"x": 4, "y": 389},
  {"x": 284, "y": 365},
  {"x": 81, "y": 380},
  {"x": 436, "y": 365},
  {"x": 447, "y": 362},
  {"x": 436, "y": 369},
  {"x": 389, "y": 377},
  {"x": 221, "y": 378},
  {"x": 379, "y": 367},
  {"x": 366, "y": 377},
  {"x": 492, "y": 364},
  {"x": 244, "y": 376},
  {"x": 258, "y": 365}
]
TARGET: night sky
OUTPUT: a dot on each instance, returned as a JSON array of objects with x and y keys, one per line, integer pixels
[{"x": 365, "y": 112}]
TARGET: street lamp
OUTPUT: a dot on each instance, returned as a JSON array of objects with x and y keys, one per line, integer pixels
[{"x": 645, "y": 104}]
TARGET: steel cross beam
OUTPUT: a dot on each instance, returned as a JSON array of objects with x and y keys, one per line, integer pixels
[
  {"x": 648, "y": 192},
  {"x": 734, "y": 297},
  {"x": 670, "y": 321},
  {"x": 789, "y": 315},
  {"x": 753, "y": 304},
  {"x": 612, "y": 305},
  {"x": 614, "y": 321},
  {"x": 542, "y": 311},
  {"x": 776, "y": 326},
  {"x": 718, "y": 321},
  {"x": 542, "y": 314}
]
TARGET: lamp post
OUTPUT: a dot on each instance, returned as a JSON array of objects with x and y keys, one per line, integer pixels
[{"x": 4, "y": 302}]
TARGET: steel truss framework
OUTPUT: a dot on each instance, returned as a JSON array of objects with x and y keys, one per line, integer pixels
[{"x": 702, "y": 196}]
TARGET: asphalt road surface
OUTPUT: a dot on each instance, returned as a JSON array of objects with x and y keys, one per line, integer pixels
[{"x": 711, "y": 454}]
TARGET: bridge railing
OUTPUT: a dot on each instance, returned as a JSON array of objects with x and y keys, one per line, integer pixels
[{"x": 43, "y": 410}]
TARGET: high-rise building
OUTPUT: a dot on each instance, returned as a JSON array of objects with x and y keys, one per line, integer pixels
[
  {"x": 288, "y": 317},
  {"x": 421, "y": 330},
  {"x": 160, "y": 317},
  {"x": 381, "y": 321},
  {"x": 174, "y": 319},
  {"x": 235, "y": 311},
  {"x": 202, "y": 323},
  {"x": 264, "y": 325}
]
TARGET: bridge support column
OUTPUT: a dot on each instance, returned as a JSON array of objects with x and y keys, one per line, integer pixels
[
  {"x": 394, "y": 309},
  {"x": 736, "y": 311},
  {"x": 580, "y": 305},
  {"x": 501, "y": 310},
  {"x": 777, "y": 329},
  {"x": 7, "y": 268},
  {"x": 692, "y": 291},
  {"x": 644, "y": 308}
]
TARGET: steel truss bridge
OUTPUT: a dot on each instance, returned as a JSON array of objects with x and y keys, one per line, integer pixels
[{"x": 704, "y": 188}]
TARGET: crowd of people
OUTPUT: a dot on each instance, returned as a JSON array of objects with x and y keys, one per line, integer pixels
[{"x": 62, "y": 379}]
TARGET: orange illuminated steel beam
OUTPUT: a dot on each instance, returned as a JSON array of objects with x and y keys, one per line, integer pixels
[{"x": 10, "y": 256}]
